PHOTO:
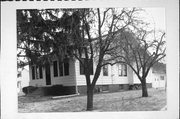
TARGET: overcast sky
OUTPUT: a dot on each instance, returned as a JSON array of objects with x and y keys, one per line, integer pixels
[{"x": 156, "y": 15}]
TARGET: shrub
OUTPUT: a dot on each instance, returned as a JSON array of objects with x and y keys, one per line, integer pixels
[
  {"x": 29, "y": 89},
  {"x": 135, "y": 87}
]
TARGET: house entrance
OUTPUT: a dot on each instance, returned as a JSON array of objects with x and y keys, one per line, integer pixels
[{"x": 48, "y": 74}]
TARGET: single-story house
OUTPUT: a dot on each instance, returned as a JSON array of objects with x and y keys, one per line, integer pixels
[{"x": 70, "y": 74}]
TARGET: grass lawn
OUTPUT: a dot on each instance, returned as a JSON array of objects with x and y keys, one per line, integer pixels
[{"x": 117, "y": 101}]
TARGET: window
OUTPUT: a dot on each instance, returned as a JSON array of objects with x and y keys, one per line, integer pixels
[
  {"x": 55, "y": 69},
  {"x": 66, "y": 68},
  {"x": 37, "y": 72},
  {"x": 82, "y": 69},
  {"x": 60, "y": 69},
  {"x": 40, "y": 72},
  {"x": 122, "y": 70},
  {"x": 33, "y": 72},
  {"x": 63, "y": 68},
  {"x": 161, "y": 77},
  {"x": 105, "y": 70}
]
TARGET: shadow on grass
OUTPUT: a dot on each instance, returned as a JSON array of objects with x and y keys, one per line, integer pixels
[
  {"x": 31, "y": 99},
  {"x": 103, "y": 102}
]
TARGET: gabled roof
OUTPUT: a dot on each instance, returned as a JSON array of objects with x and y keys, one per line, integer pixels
[{"x": 159, "y": 68}]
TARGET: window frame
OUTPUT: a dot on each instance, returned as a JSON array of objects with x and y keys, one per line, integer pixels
[
  {"x": 61, "y": 69},
  {"x": 105, "y": 70},
  {"x": 122, "y": 69},
  {"x": 40, "y": 72},
  {"x": 66, "y": 69},
  {"x": 33, "y": 73},
  {"x": 37, "y": 72},
  {"x": 55, "y": 68}
]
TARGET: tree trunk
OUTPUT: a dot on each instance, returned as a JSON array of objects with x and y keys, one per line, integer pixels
[
  {"x": 89, "y": 98},
  {"x": 144, "y": 88}
]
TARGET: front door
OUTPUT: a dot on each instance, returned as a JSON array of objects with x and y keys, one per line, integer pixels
[{"x": 48, "y": 74}]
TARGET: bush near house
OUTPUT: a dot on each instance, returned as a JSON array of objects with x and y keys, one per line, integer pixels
[
  {"x": 139, "y": 86},
  {"x": 29, "y": 89},
  {"x": 135, "y": 87},
  {"x": 55, "y": 90}
]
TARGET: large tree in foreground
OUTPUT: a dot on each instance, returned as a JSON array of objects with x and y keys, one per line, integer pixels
[
  {"x": 95, "y": 37},
  {"x": 140, "y": 52},
  {"x": 85, "y": 34}
]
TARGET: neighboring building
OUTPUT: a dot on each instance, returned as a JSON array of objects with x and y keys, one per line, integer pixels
[
  {"x": 71, "y": 74},
  {"x": 23, "y": 78},
  {"x": 159, "y": 75}
]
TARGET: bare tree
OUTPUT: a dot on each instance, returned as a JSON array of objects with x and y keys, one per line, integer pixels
[{"x": 140, "y": 52}]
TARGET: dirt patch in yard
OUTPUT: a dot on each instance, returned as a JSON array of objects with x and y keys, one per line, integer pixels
[{"x": 118, "y": 101}]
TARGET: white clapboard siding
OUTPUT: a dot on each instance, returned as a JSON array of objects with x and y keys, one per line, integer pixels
[
  {"x": 65, "y": 81},
  {"x": 74, "y": 77},
  {"x": 157, "y": 81},
  {"x": 68, "y": 80},
  {"x": 148, "y": 78},
  {"x": 80, "y": 79},
  {"x": 39, "y": 83},
  {"x": 130, "y": 75},
  {"x": 112, "y": 77},
  {"x": 115, "y": 78},
  {"x": 104, "y": 80}
]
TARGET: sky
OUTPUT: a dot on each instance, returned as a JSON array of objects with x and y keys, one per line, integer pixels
[{"x": 156, "y": 17}]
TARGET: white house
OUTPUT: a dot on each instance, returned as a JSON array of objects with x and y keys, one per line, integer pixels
[
  {"x": 71, "y": 74},
  {"x": 159, "y": 75},
  {"x": 23, "y": 78}
]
